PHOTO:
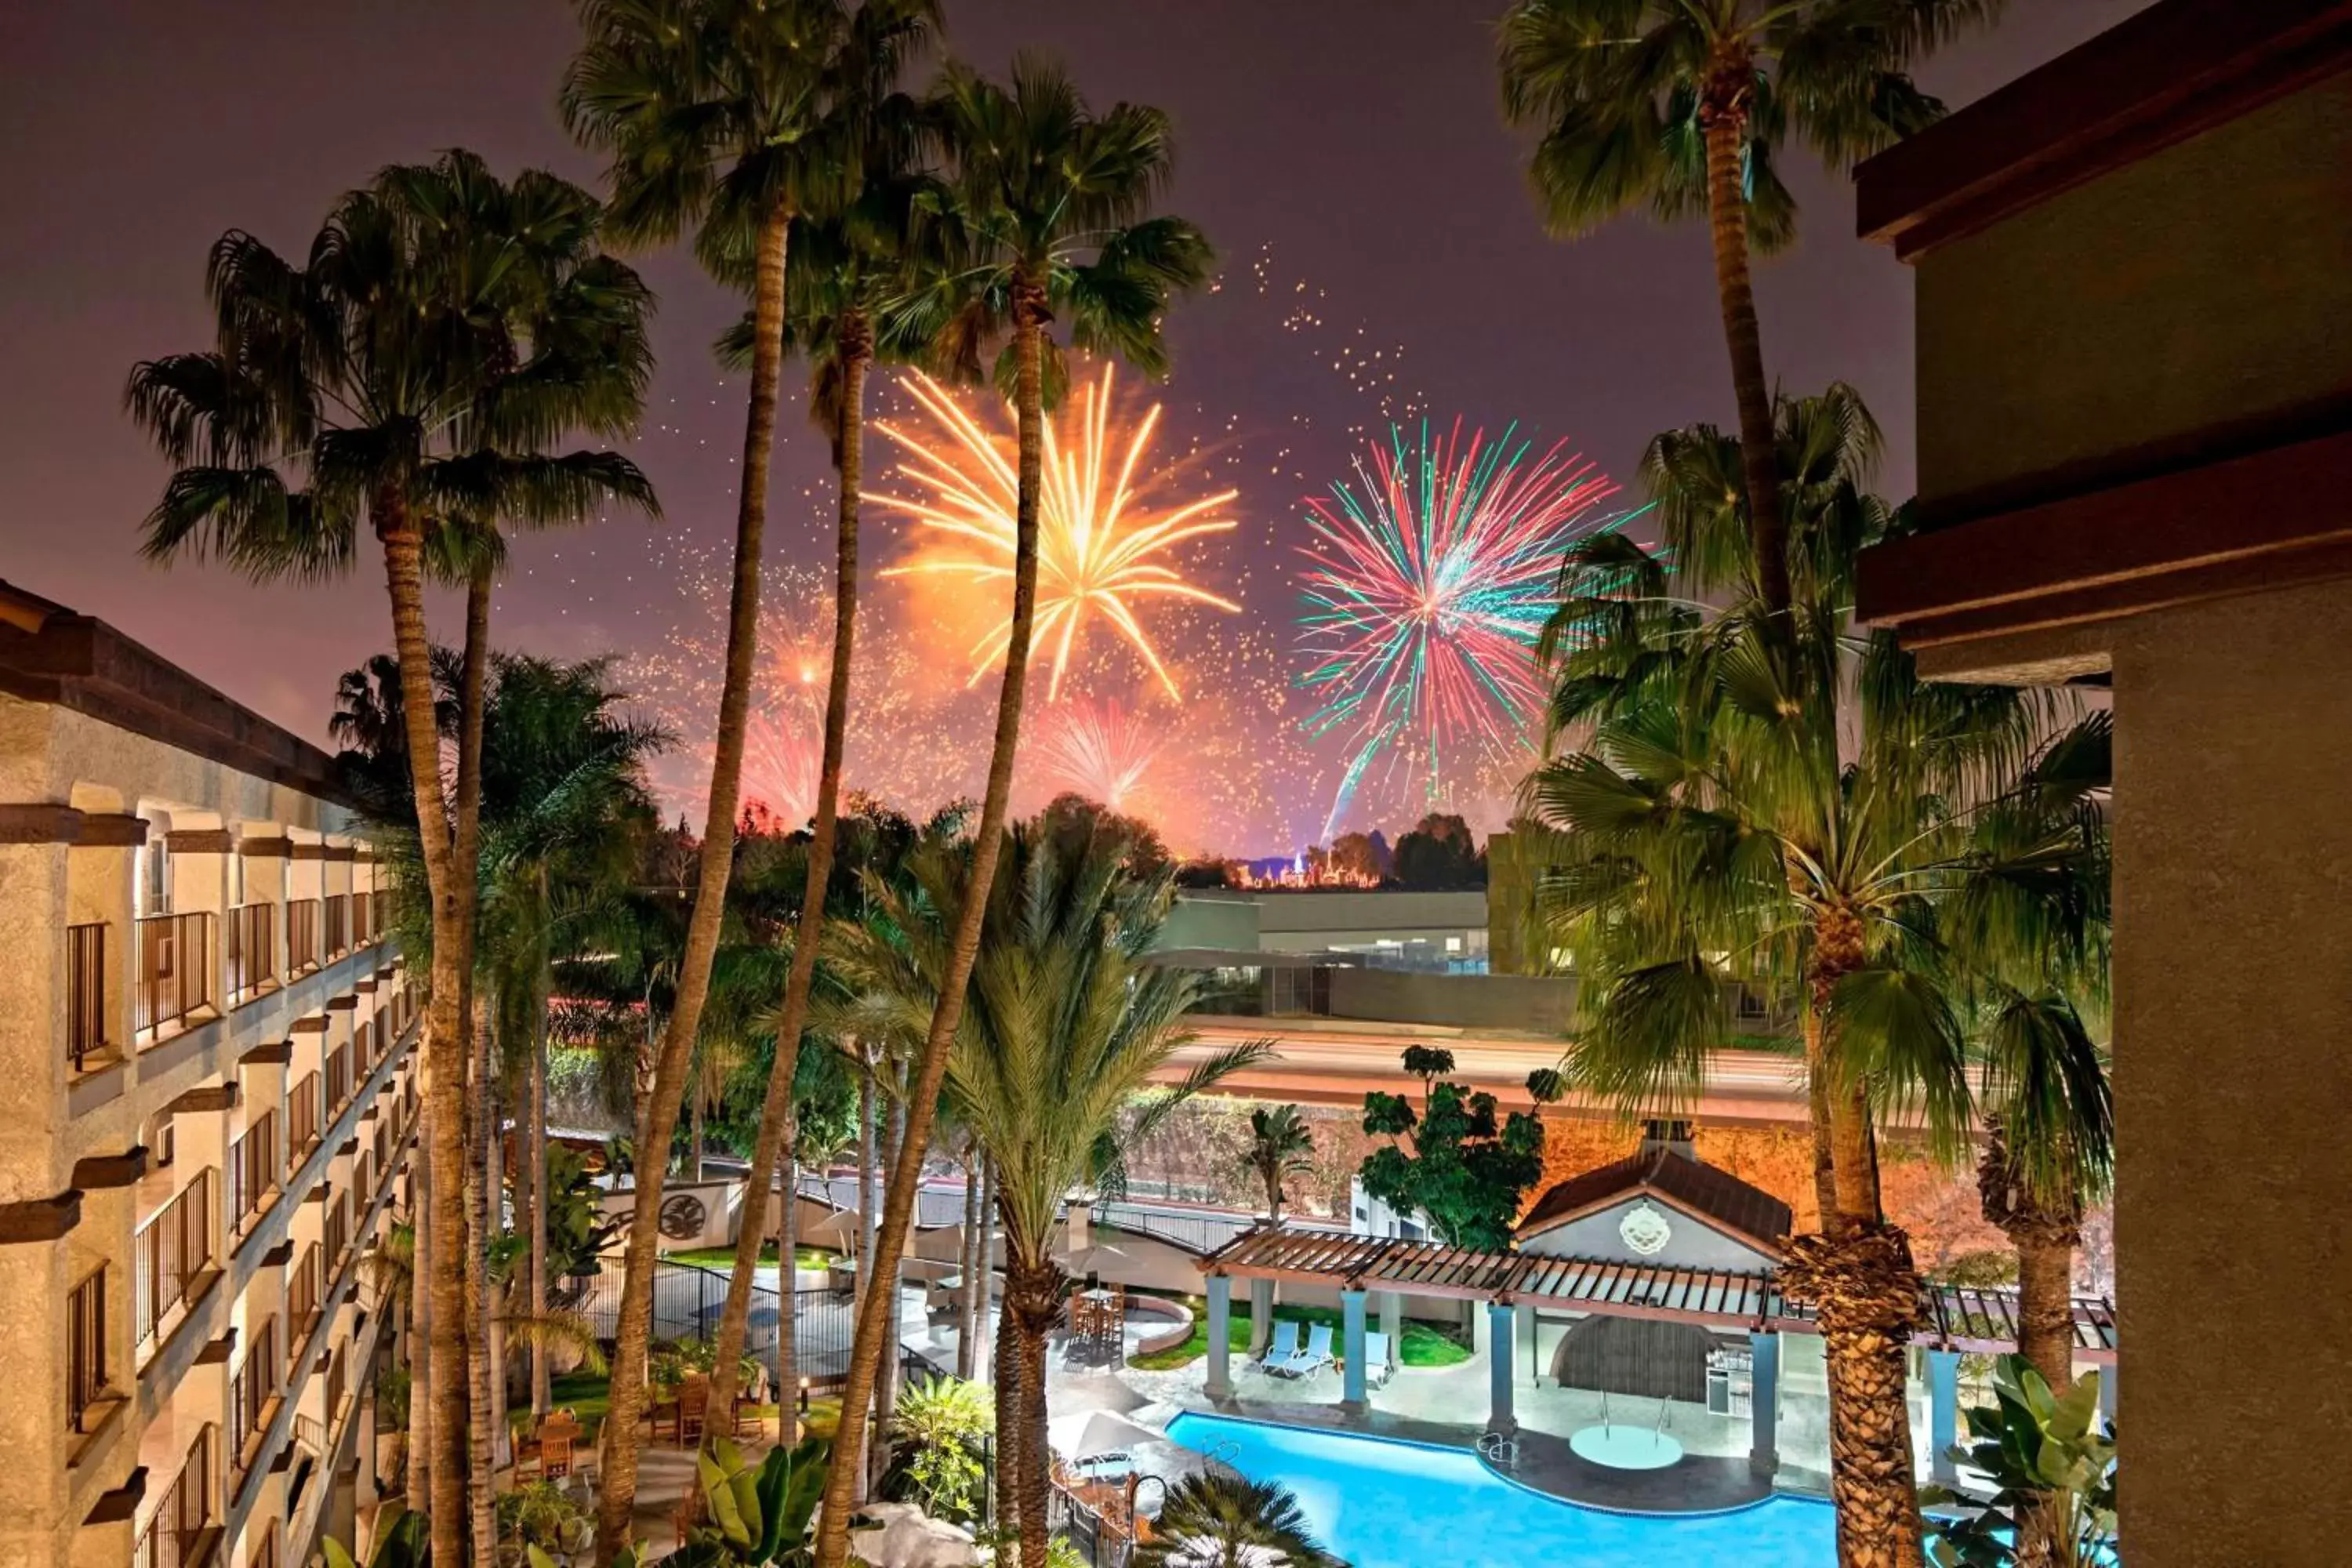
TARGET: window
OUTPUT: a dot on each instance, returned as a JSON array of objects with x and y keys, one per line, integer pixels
[{"x": 154, "y": 876}]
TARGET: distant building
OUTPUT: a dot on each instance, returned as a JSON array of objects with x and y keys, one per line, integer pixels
[
  {"x": 1442, "y": 933},
  {"x": 207, "y": 1037}
]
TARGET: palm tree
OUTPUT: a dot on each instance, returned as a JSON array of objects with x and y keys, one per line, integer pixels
[
  {"x": 1065, "y": 1027},
  {"x": 731, "y": 116},
  {"x": 399, "y": 380},
  {"x": 1782, "y": 800},
  {"x": 1046, "y": 217},
  {"x": 1230, "y": 1521},
  {"x": 1682, "y": 105},
  {"x": 1280, "y": 1148}
]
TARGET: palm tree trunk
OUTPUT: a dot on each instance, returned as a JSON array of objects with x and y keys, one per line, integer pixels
[
  {"x": 776, "y": 1131},
  {"x": 1009, "y": 1429},
  {"x": 876, "y": 1325},
  {"x": 419, "y": 1453},
  {"x": 868, "y": 1221},
  {"x": 694, "y": 1155},
  {"x": 2045, "y": 1305},
  {"x": 617, "y": 1502},
  {"x": 787, "y": 1306},
  {"x": 1724, "y": 115},
  {"x": 967, "y": 1265},
  {"x": 443, "y": 1054},
  {"x": 984, "y": 1250},
  {"x": 885, "y": 1379},
  {"x": 1817, "y": 1105},
  {"x": 481, "y": 1457},
  {"x": 1033, "y": 1294},
  {"x": 535, "y": 1160}
]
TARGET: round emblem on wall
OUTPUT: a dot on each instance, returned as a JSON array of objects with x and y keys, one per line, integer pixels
[
  {"x": 682, "y": 1217},
  {"x": 1645, "y": 1230}
]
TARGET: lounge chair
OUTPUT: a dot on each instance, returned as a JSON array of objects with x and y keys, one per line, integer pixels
[
  {"x": 1378, "y": 1362},
  {"x": 1284, "y": 1346},
  {"x": 1313, "y": 1359}
]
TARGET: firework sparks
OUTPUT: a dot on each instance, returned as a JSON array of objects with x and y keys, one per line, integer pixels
[
  {"x": 1099, "y": 750},
  {"x": 1433, "y": 574},
  {"x": 1104, "y": 546}
]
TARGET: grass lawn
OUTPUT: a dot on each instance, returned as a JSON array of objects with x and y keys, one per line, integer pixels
[
  {"x": 1423, "y": 1345},
  {"x": 723, "y": 1257}
]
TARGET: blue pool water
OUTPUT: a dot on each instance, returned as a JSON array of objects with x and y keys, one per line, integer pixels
[{"x": 1383, "y": 1504}]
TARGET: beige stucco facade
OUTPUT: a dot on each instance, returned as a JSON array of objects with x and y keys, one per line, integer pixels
[{"x": 207, "y": 1043}]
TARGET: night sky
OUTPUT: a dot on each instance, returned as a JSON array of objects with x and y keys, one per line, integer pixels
[{"x": 1352, "y": 147}]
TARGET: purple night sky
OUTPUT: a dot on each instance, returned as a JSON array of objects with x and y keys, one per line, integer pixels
[{"x": 1352, "y": 145}]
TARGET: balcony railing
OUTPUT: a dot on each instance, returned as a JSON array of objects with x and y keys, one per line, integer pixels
[
  {"x": 339, "y": 1080},
  {"x": 175, "y": 969},
  {"x": 380, "y": 913},
  {"x": 250, "y": 1391},
  {"x": 336, "y": 922},
  {"x": 251, "y": 950},
  {"x": 301, "y": 935},
  {"x": 172, "y": 1254},
  {"x": 303, "y": 1293},
  {"x": 85, "y": 992},
  {"x": 85, "y": 1348},
  {"x": 337, "y": 1232},
  {"x": 360, "y": 910},
  {"x": 302, "y": 1117},
  {"x": 253, "y": 1168},
  {"x": 174, "y": 1533}
]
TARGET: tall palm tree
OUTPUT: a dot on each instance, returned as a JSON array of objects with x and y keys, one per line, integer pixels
[
  {"x": 852, "y": 263},
  {"x": 1230, "y": 1521},
  {"x": 1280, "y": 1148},
  {"x": 1048, "y": 216},
  {"x": 1682, "y": 105},
  {"x": 1782, "y": 800},
  {"x": 1065, "y": 1027},
  {"x": 730, "y": 116},
  {"x": 398, "y": 380}
]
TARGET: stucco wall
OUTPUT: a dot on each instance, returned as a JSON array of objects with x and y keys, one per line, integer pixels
[
  {"x": 2209, "y": 285},
  {"x": 1536, "y": 1004},
  {"x": 1691, "y": 1244},
  {"x": 2233, "y": 1073}
]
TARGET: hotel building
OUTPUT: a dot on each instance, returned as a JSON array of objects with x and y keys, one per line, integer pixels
[{"x": 208, "y": 1038}]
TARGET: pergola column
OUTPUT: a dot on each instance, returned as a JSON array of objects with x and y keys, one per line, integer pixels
[
  {"x": 1392, "y": 1321},
  {"x": 1764, "y": 1401},
  {"x": 1261, "y": 1317},
  {"x": 1351, "y": 1317},
  {"x": 1221, "y": 1342},
  {"x": 1943, "y": 1415},
  {"x": 2107, "y": 1393},
  {"x": 1499, "y": 1353}
]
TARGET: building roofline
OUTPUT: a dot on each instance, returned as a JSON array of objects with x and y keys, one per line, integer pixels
[
  {"x": 51, "y": 654},
  {"x": 2180, "y": 68}
]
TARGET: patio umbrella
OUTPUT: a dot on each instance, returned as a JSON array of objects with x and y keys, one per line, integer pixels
[
  {"x": 1085, "y": 1433},
  {"x": 841, "y": 1224},
  {"x": 1095, "y": 1259}
]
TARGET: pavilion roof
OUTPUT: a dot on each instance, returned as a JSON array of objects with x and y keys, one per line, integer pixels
[{"x": 1968, "y": 1318}]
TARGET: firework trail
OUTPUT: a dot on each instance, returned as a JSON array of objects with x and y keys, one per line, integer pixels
[
  {"x": 1104, "y": 545},
  {"x": 1433, "y": 573},
  {"x": 1098, "y": 749}
]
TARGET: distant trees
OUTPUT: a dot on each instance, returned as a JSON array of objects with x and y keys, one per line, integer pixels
[
  {"x": 1440, "y": 854},
  {"x": 1467, "y": 1168},
  {"x": 1072, "y": 822}
]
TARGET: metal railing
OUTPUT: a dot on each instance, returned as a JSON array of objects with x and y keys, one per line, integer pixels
[
  {"x": 302, "y": 1294},
  {"x": 85, "y": 992},
  {"x": 85, "y": 1347},
  {"x": 175, "y": 969},
  {"x": 337, "y": 1231},
  {"x": 253, "y": 1168},
  {"x": 171, "y": 1253},
  {"x": 360, "y": 908},
  {"x": 688, "y": 1301},
  {"x": 335, "y": 924},
  {"x": 186, "y": 1511},
  {"x": 301, "y": 935},
  {"x": 338, "y": 1081},
  {"x": 250, "y": 1390},
  {"x": 302, "y": 1117},
  {"x": 250, "y": 948},
  {"x": 380, "y": 913}
]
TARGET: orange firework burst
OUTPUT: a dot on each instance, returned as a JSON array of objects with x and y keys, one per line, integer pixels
[
  {"x": 1097, "y": 749},
  {"x": 1104, "y": 546}
]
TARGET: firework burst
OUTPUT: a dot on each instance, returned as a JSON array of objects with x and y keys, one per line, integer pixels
[
  {"x": 1105, "y": 546},
  {"x": 1433, "y": 573},
  {"x": 1099, "y": 750}
]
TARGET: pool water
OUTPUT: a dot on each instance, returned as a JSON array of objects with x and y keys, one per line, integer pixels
[{"x": 1383, "y": 1504}]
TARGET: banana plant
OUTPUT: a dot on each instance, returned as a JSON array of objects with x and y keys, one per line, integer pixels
[
  {"x": 758, "y": 1516},
  {"x": 406, "y": 1543},
  {"x": 2054, "y": 1467}
]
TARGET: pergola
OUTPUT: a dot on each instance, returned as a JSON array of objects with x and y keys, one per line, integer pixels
[{"x": 1960, "y": 1317}]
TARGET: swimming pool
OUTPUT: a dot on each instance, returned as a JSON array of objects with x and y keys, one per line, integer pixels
[{"x": 1383, "y": 1504}]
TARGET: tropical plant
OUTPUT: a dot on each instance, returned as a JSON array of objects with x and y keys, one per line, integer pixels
[
  {"x": 577, "y": 1230},
  {"x": 2054, "y": 1470},
  {"x": 404, "y": 1540},
  {"x": 1230, "y": 1521},
  {"x": 1066, "y": 1025},
  {"x": 1781, "y": 800},
  {"x": 1682, "y": 105},
  {"x": 1045, "y": 216},
  {"x": 1469, "y": 1167},
  {"x": 757, "y": 1516},
  {"x": 540, "y": 1520},
  {"x": 1281, "y": 1147},
  {"x": 408, "y": 379},
  {"x": 939, "y": 1431}
]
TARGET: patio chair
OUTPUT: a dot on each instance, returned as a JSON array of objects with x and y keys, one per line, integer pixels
[
  {"x": 1379, "y": 1361},
  {"x": 1284, "y": 1346},
  {"x": 1313, "y": 1359},
  {"x": 693, "y": 1402}
]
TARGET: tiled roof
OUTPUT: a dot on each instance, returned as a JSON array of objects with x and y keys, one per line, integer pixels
[{"x": 1750, "y": 1212}]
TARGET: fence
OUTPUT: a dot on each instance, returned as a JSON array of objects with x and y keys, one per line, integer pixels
[
  {"x": 85, "y": 1347},
  {"x": 172, "y": 1254},
  {"x": 252, "y": 950},
  {"x": 302, "y": 1116},
  {"x": 301, "y": 935},
  {"x": 171, "y": 1535},
  {"x": 934, "y": 1209},
  {"x": 252, "y": 1169},
  {"x": 176, "y": 963},
  {"x": 337, "y": 925},
  {"x": 689, "y": 1301},
  {"x": 85, "y": 992}
]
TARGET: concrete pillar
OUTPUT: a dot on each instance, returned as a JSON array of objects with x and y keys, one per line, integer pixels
[
  {"x": 1078, "y": 1216},
  {"x": 1392, "y": 1321},
  {"x": 1499, "y": 1356},
  {"x": 1943, "y": 1415},
  {"x": 1525, "y": 1327},
  {"x": 1261, "y": 1317},
  {"x": 2108, "y": 1394},
  {"x": 1221, "y": 1342},
  {"x": 1351, "y": 1319},
  {"x": 1764, "y": 1404}
]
